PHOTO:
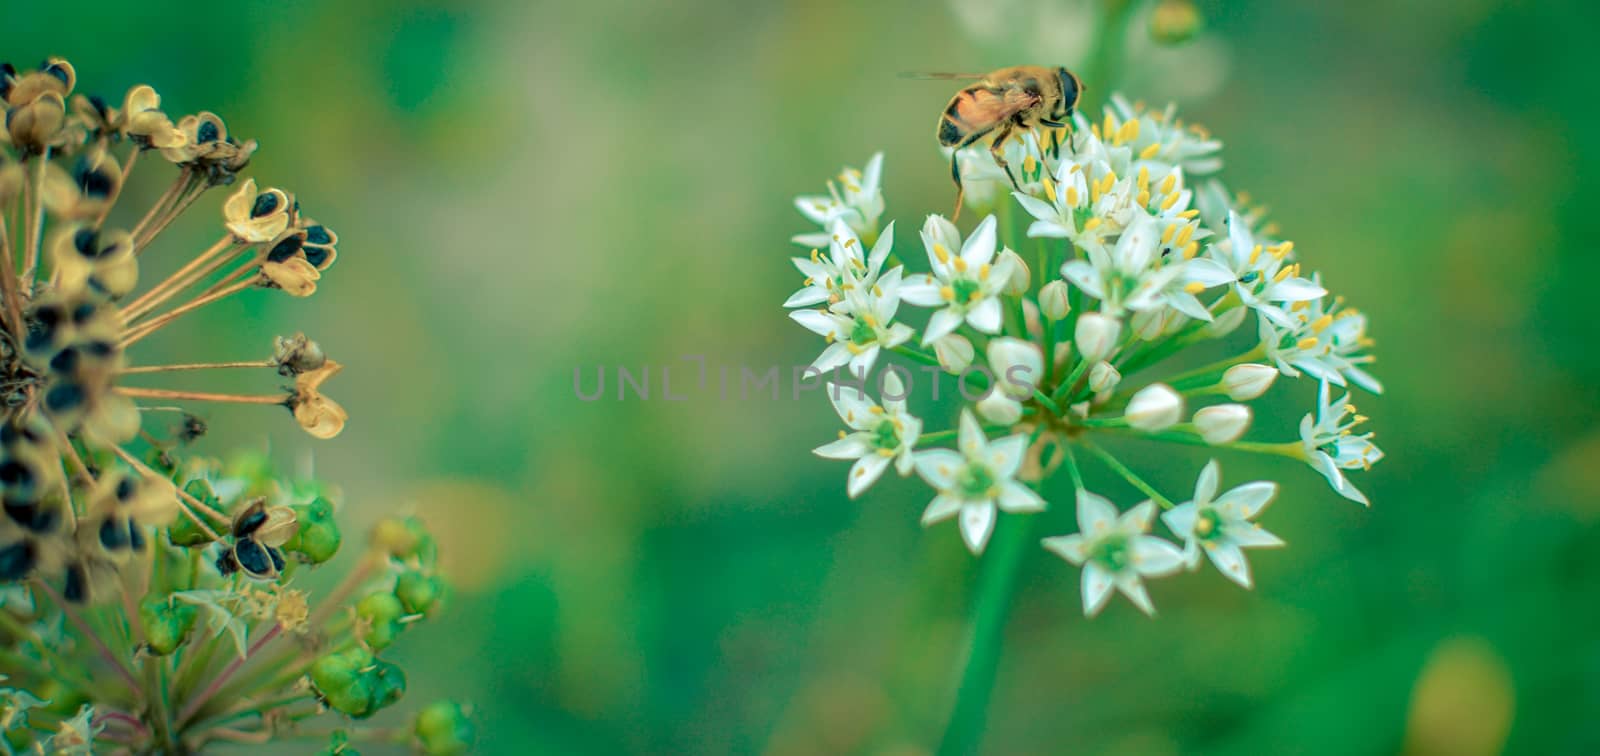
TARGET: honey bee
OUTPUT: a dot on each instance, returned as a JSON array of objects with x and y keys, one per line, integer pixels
[{"x": 999, "y": 104}]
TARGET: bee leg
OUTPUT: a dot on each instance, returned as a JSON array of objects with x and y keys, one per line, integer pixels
[
  {"x": 996, "y": 150},
  {"x": 1055, "y": 144}
]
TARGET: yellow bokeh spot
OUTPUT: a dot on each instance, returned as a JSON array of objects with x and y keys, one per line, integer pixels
[{"x": 1463, "y": 701}]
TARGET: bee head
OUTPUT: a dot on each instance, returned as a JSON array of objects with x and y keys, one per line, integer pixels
[{"x": 1071, "y": 90}]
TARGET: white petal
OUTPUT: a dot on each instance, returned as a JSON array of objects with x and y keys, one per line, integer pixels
[
  {"x": 865, "y": 472},
  {"x": 977, "y": 522},
  {"x": 807, "y": 297},
  {"x": 880, "y": 250},
  {"x": 969, "y": 438},
  {"x": 1252, "y": 536},
  {"x": 854, "y": 408},
  {"x": 1250, "y": 498},
  {"x": 1133, "y": 588},
  {"x": 1074, "y": 548},
  {"x": 1097, "y": 584},
  {"x": 1084, "y": 276},
  {"x": 852, "y": 446},
  {"x": 1006, "y": 454},
  {"x": 1180, "y": 519},
  {"x": 940, "y": 509},
  {"x": 1155, "y": 557},
  {"x": 940, "y": 325},
  {"x": 1015, "y": 497},
  {"x": 1230, "y": 560},
  {"x": 921, "y": 290},
  {"x": 1036, "y": 207},
  {"x": 986, "y": 317},
  {"x": 1206, "y": 486},
  {"x": 1208, "y": 272},
  {"x": 1138, "y": 519},
  {"x": 1295, "y": 290},
  {"x": 1096, "y": 515},
  {"x": 939, "y": 467},
  {"x": 979, "y": 247},
  {"x": 836, "y": 355},
  {"x": 817, "y": 322}
]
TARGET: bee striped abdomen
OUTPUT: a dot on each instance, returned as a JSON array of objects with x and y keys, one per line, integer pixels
[{"x": 950, "y": 131}]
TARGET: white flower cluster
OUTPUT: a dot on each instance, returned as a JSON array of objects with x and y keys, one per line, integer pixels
[{"x": 1140, "y": 254}]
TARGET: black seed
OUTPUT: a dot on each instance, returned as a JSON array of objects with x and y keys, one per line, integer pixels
[
  {"x": 113, "y": 535},
  {"x": 15, "y": 475},
  {"x": 250, "y": 522},
  {"x": 253, "y": 558},
  {"x": 266, "y": 203},
  {"x": 21, "y": 512},
  {"x": 57, "y": 71},
  {"x": 226, "y": 564},
  {"x": 96, "y": 184},
  {"x": 207, "y": 132},
  {"x": 318, "y": 235},
  {"x": 286, "y": 248},
  {"x": 65, "y": 361},
  {"x": 100, "y": 107},
  {"x": 82, "y": 313},
  {"x": 277, "y": 559},
  {"x": 63, "y": 397},
  {"x": 136, "y": 539},
  {"x": 17, "y": 560},
  {"x": 84, "y": 241},
  {"x": 77, "y": 587},
  {"x": 317, "y": 256},
  {"x": 99, "y": 348},
  {"x": 126, "y": 488}
]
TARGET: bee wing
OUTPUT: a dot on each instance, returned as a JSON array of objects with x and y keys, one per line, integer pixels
[{"x": 937, "y": 75}]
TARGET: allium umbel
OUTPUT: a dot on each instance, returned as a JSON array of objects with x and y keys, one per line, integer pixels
[
  {"x": 1118, "y": 257},
  {"x": 152, "y": 602}
]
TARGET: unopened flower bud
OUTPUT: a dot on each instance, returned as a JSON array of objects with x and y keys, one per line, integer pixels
[
  {"x": 1226, "y": 322},
  {"x": 1103, "y": 377},
  {"x": 955, "y": 353},
  {"x": 1018, "y": 366},
  {"x": 1222, "y": 424},
  {"x": 1248, "y": 381},
  {"x": 1097, "y": 336},
  {"x": 1053, "y": 301},
  {"x": 1021, "y": 278},
  {"x": 999, "y": 409},
  {"x": 1155, "y": 407}
]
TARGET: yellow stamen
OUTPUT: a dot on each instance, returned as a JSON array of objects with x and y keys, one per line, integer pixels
[
  {"x": 947, "y": 293},
  {"x": 1128, "y": 132},
  {"x": 1321, "y": 324},
  {"x": 961, "y": 265},
  {"x": 983, "y": 272},
  {"x": 1172, "y": 199},
  {"x": 940, "y": 252},
  {"x": 1166, "y": 235},
  {"x": 1091, "y": 224},
  {"x": 1150, "y": 152},
  {"x": 1194, "y": 287},
  {"x": 1255, "y": 254},
  {"x": 1168, "y": 183},
  {"x": 1306, "y": 343},
  {"x": 876, "y": 410},
  {"x": 1183, "y": 236},
  {"x": 1072, "y": 196},
  {"x": 1190, "y": 250},
  {"x": 1191, "y": 213},
  {"x": 1050, "y": 189}
]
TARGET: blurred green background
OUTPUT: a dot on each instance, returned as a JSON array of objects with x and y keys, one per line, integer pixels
[{"x": 524, "y": 188}]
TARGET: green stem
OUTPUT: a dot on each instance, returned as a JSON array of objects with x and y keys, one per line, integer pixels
[
  {"x": 967, "y": 719},
  {"x": 1128, "y": 475},
  {"x": 916, "y": 354}
]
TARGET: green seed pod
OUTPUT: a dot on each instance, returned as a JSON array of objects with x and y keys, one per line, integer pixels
[
  {"x": 443, "y": 729},
  {"x": 166, "y": 624},
  {"x": 344, "y": 681},
  {"x": 388, "y": 684},
  {"x": 318, "y": 537},
  {"x": 418, "y": 592},
  {"x": 184, "y": 531},
  {"x": 381, "y": 613}
]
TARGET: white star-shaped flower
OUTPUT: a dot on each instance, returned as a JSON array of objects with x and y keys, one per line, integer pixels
[
  {"x": 966, "y": 286},
  {"x": 830, "y": 276},
  {"x": 1115, "y": 552},
  {"x": 1261, "y": 275},
  {"x": 881, "y": 434},
  {"x": 860, "y": 327},
  {"x": 1220, "y": 525},
  {"x": 1331, "y": 448},
  {"x": 976, "y": 481},
  {"x": 856, "y": 200}
]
